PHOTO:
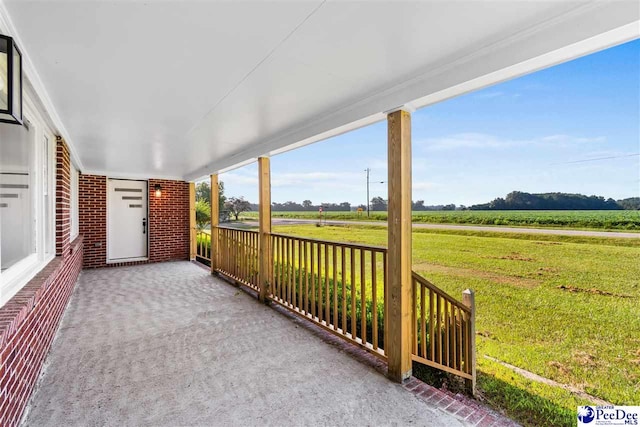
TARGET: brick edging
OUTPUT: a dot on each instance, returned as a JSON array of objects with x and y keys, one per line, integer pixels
[{"x": 464, "y": 408}]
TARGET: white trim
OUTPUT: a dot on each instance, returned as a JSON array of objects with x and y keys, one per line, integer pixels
[
  {"x": 32, "y": 78},
  {"x": 148, "y": 235},
  {"x": 18, "y": 275},
  {"x": 125, "y": 260},
  {"x": 131, "y": 176}
]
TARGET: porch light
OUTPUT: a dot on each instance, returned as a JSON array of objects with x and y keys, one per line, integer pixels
[
  {"x": 10, "y": 81},
  {"x": 158, "y": 189}
]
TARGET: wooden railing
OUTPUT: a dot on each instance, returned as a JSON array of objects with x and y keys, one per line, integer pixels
[
  {"x": 342, "y": 288},
  {"x": 203, "y": 245},
  {"x": 338, "y": 286},
  {"x": 444, "y": 330},
  {"x": 237, "y": 256}
]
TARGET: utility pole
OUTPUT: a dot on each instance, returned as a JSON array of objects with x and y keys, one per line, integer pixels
[{"x": 367, "y": 170}]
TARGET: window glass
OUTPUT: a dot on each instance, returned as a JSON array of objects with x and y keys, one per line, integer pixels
[
  {"x": 4, "y": 78},
  {"x": 17, "y": 219}
]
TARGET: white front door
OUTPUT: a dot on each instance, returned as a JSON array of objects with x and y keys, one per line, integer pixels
[{"x": 128, "y": 225}]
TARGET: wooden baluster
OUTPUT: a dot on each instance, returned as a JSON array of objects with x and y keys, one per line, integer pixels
[
  {"x": 354, "y": 316},
  {"x": 423, "y": 320},
  {"x": 313, "y": 281},
  {"x": 432, "y": 320},
  {"x": 334, "y": 319},
  {"x": 374, "y": 299},
  {"x": 299, "y": 298},
  {"x": 344, "y": 290},
  {"x": 283, "y": 268},
  {"x": 439, "y": 328},
  {"x": 287, "y": 286},
  {"x": 415, "y": 320},
  {"x": 385, "y": 295},
  {"x": 327, "y": 294},
  {"x": 456, "y": 343},
  {"x": 363, "y": 298},
  {"x": 306, "y": 277},
  {"x": 320, "y": 272},
  {"x": 447, "y": 307},
  {"x": 243, "y": 259}
]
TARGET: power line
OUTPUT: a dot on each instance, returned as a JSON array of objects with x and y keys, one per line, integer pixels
[{"x": 598, "y": 158}]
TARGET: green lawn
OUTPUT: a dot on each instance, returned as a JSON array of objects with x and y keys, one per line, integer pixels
[
  {"x": 599, "y": 220},
  {"x": 564, "y": 308}
]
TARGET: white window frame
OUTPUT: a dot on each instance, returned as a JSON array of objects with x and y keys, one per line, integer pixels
[{"x": 18, "y": 275}]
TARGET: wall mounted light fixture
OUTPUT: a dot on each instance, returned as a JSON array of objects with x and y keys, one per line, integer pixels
[
  {"x": 158, "y": 189},
  {"x": 10, "y": 81}
]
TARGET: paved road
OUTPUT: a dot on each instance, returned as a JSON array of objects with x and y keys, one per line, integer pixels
[{"x": 552, "y": 231}]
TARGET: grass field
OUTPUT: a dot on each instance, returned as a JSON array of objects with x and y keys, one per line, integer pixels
[
  {"x": 600, "y": 220},
  {"x": 561, "y": 307}
]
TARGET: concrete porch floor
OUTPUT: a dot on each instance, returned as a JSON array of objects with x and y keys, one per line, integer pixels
[{"x": 168, "y": 344}]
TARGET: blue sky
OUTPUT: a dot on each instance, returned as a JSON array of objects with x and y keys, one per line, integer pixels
[{"x": 537, "y": 133}]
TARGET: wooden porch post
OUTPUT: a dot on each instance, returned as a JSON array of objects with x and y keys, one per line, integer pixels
[
  {"x": 192, "y": 221},
  {"x": 215, "y": 221},
  {"x": 264, "y": 215},
  {"x": 469, "y": 299},
  {"x": 399, "y": 300}
]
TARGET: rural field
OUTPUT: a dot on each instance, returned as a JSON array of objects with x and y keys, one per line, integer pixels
[
  {"x": 564, "y": 308},
  {"x": 599, "y": 220}
]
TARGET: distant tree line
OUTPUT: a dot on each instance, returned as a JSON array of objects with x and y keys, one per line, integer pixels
[
  {"x": 518, "y": 200},
  {"x": 308, "y": 206},
  {"x": 376, "y": 204}
]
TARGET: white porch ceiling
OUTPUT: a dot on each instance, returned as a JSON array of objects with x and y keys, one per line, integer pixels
[{"x": 185, "y": 88}]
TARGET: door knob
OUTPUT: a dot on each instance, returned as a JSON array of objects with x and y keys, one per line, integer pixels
[{"x": 144, "y": 225}]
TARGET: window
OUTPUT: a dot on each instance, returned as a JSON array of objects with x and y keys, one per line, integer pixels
[
  {"x": 27, "y": 215},
  {"x": 17, "y": 183}
]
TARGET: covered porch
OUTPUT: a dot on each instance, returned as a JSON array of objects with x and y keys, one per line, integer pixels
[
  {"x": 158, "y": 95},
  {"x": 169, "y": 344}
]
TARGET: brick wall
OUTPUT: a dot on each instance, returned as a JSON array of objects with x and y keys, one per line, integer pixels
[
  {"x": 29, "y": 320},
  {"x": 63, "y": 198},
  {"x": 92, "y": 200},
  {"x": 168, "y": 221}
]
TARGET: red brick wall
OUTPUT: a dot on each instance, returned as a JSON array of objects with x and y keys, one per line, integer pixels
[
  {"x": 28, "y": 323},
  {"x": 63, "y": 198},
  {"x": 92, "y": 199},
  {"x": 29, "y": 320},
  {"x": 168, "y": 221}
]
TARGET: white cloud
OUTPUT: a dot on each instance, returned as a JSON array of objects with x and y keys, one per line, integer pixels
[
  {"x": 235, "y": 178},
  {"x": 424, "y": 185},
  {"x": 315, "y": 178},
  {"x": 489, "y": 95},
  {"x": 486, "y": 141}
]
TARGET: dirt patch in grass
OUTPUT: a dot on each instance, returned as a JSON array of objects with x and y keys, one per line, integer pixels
[
  {"x": 470, "y": 272},
  {"x": 560, "y": 367},
  {"x": 593, "y": 291},
  {"x": 547, "y": 243},
  {"x": 585, "y": 359},
  {"x": 513, "y": 256}
]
